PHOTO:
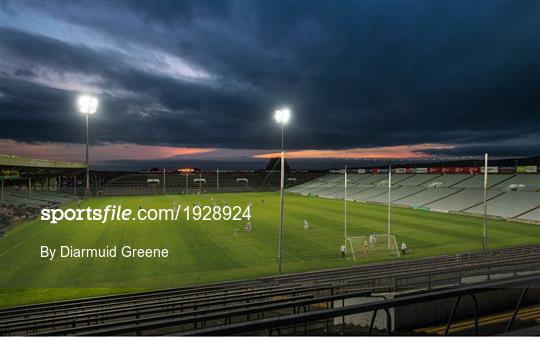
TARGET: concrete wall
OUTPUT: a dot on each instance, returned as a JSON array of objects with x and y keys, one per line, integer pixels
[
  {"x": 364, "y": 319},
  {"x": 439, "y": 311},
  {"x": 436, "y": 312}
]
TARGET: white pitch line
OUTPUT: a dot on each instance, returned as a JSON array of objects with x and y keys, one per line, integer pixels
[{"x": 4, "y": 252}]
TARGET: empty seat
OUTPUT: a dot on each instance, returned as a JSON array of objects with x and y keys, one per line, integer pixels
[
  {"x": 427, "y": 196},
  {"x": 397, "y": 193},
  {"x": 477, "y": 181},
  {"x": 462, "y": 200},
  {"x": 509, "y": 204}
]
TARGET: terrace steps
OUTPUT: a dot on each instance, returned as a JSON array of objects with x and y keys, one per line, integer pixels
[{"x": 446, "y": 196}]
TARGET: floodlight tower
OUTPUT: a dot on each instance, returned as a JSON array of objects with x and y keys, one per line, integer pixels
[
  {"x": 282, "y": 117},
  {"x": 345, "y": 204},
  {"x": 87, "y": 106},
  {"x": 389, "y": 202},
  {"x": 484, "y": 230}
]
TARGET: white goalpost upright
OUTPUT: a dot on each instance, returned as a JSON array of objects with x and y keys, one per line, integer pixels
[{"x": 375, "y": 242}]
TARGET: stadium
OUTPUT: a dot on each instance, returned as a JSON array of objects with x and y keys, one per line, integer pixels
[
  {"x": 437, "y": 213},
  {"x": 159, "y": 205}
]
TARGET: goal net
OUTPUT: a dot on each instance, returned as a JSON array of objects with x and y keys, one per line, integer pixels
[{"x": 380, "y": 245}]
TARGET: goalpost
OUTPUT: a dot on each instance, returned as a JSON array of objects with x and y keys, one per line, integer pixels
[{"x": 378, "y": 244}]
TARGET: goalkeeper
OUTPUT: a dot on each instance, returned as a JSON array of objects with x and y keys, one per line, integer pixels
[{"x": 366, "y": 248}]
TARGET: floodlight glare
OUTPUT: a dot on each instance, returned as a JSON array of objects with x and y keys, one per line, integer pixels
[
  {"x": 87, "y": 104},
  {"x": 282, "y": 116}
]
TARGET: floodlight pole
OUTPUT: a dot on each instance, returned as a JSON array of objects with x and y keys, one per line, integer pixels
[
  {"x": 280, "y": 255},
  {"x": 345, "y": 206},
  {"x": 87, "y": 167},
  {"x": 163, "y": 181},
  {"x": 484, "y": 234},
  {"x": 389, "y": 200}
]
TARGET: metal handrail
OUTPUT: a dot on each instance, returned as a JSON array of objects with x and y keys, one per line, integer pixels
[{"x": 282, "y": 321}]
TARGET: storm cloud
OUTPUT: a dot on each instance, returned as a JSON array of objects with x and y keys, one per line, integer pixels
[{"x": 209, "y": 74}]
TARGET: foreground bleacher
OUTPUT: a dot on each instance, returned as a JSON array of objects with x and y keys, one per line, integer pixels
[
  {"x": 362, "y": 318},
  {"x": 188, "y": 309},
  {"x": 509, "y": 196}
]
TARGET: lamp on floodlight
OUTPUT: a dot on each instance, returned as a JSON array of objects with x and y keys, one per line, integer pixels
[
  {"x": 87, "y": 106},
  {"x": 282, "y": 116}
]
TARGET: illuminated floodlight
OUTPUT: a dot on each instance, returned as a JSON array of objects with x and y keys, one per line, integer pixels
[
  {"x": 282, "y": 115},
  {"x": 87, "y": 104}
]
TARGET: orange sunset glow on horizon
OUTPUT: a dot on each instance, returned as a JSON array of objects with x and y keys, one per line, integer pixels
[
  {"x": 385, "y": 152},
  {"x": 104, "y": 152}
]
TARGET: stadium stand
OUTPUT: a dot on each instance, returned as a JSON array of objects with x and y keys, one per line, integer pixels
[
  {"x": 331, "y": 192},
  {"x": 371, "y": 179},
  {"x": 533, "y": 215},
  {"x": 462, "y": 200},
  {"x": 397, "y": 193},
  {"x": 427, "y": 196},
  {"x": 509, "y": 195},
  {"x": 31, "y": 184},
  {"x": 477, "y": 181},
  {"x": 357, "y": 179},
  {"x": 331, "y": 186},
  {"x": 189, "y": 309},
  {"x": 448, "y": 180},
  {"x": 12, "y": 214},
  {"x": 368, "y": 193},
  {"x": 521, "y": 182},
  {"x": 418, "y": 179},
  {"x": 37, "y": 198},
  {"x": 205, "y": 182},
  {"x": 352, "y": 190},
  {"x": 396, "y": 179},
  {"x": 5, "y": 221},
  {"x": 510, "y": 204}
]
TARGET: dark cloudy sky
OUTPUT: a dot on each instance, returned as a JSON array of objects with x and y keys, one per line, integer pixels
[{"x": 202, "y": 79}]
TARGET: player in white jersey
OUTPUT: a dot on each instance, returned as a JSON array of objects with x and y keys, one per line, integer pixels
[{"x": 403, "y": 248}]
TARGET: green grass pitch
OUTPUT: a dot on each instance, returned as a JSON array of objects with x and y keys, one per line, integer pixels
[{"x": 203, "y": 252}]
